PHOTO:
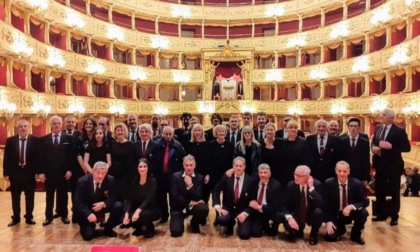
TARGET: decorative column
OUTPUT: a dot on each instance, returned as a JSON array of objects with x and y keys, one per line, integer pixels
[
  {"x": 67, "y": 3},
  {"x": 7, "y": 11},
  {"x": 388, "y": 33},
  {"x": 409, "y": 27},
  {"x": 276, "y": 91},
  {"x": 408, "y": 79},
  {"x": 157, "y": 95},
  {"x": 180, "y": 64},
  {"x": 227, "y": 27},
  {"x": 387, "y": 82},
  {"x": 253, "y": 26},
  {"x": 28, "y": 79},
  {"x": 26, "y": 23},
  {"x": 179, "y": 27},
  {"x": 133, "y": 87},
  {"x": 367, "y": 43},
  {"x": 89, "y": 86},
  {"x": 322, "y": 52},
  {"x": 180, "y": 92},
  {"x": 9, "y": 70},
  {"x": 133, "y": 56},
  {"x": 276, "y": 61},
  {"x": 206, "y": 121},
  {"x": 111, "y": 88},
  {"x": 133, "y": 20},
  {"x": 344, "y": 49},
  {"x": 345, "y": 10},
  {"x": 300, "y": 22},
  {"x": 88, "y": 8},
  {"x": 157, "y": 58},
  {"x": 276, "y": 28},
  {"x": 111, "y": 51},
  {"x": 89, "y": 44},
  {"x": 68, "y": 40},
  {"x": 299, "y": 91},
  {"x": 46, "y": 82},
  {"x": 46, "y": 33},
  {"x": 345, "y": 87},
  {"x": 299, "y": 57},
  {"x": 111, "y": 7},
  {"x": 366, "y": 93},
  {"x": 202, "y": 26},
  {"x": 322, "y": 90},
  {"x": 67, "y": 78},
  {"x": 322, "y": 17},
  {"x": 157, "y": 25},
  {"x": 366, "y": 124},
  {"x": 367, "y": 5}
]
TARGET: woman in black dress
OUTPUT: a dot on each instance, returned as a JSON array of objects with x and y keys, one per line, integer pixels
[
  {"x": 139, "y": 207},
  {"x": 293, "y": 152},
  {"x": 120, "y": 154},
  {"x": 97, "y": 150},
  {"x": 198, "y": 147},
  {"x": 249, "y": 148},
  {"x": 271, "y": 150}
]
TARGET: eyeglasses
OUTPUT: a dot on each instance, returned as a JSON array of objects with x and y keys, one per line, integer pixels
[
  {"x": 102, "y": 124},
  {"x": 247, "y": 132},
  {"x": 299, "y": 175}
]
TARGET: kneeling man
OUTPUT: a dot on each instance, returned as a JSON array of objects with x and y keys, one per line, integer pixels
[{"x": 95, "y": 196}]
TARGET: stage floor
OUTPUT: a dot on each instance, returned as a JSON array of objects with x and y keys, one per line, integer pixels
[{"x": 60, "y": 237}]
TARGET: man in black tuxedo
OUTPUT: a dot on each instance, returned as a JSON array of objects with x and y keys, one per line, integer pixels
[
  {"x": 322, "y": 152},
  {"x": 70, "y": 129},
  {"x": 361, "y": 134},
  {"x": 345, "y": 201},
  {"x": 19, "y": 168},
  {"x": 281, "y": 133},
  {"x": 387, "y": 145},
  {"x": 133, "y": 131},
  {"x": 145, "y": 148},
  {"x": 56, "y": 165},
  {"x": 95, "y": 196},
  {"x": 104, "y": 123},
  {"x": 234, "y": 133},
  {"x": 187, "y": 199},
  {"x": 236, "y": 191},
  {"x": 355, "y": 150},
  {"x": 265, "y": 203},
  {"x": 261, "y": 122},
  {"x": 154, "y": 121},
  {"x": 185, "y": 118},
  {"x": 303, "y": 205},
  {"x": 215, "y": 119}
]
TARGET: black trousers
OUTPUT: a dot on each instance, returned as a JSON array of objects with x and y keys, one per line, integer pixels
[
  {"x": 162, "y": 194},
  {"x": 87, "y": 229},
  {"x": 146, "y": 218},
  {"x": 260, "y": 222},
  {"x": 59, "y": 187},
  {"x": 229, "y": 220},
  {"x": 358, "y": 216},
  {"x": 199, "y": 214},
  {"x": 314, "y": 219},
  {"x": 22, "y": 181},
  {"x": 388, "y": 186}
]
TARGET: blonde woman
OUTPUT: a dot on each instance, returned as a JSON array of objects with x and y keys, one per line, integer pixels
[{"x": 249, "y": 148}]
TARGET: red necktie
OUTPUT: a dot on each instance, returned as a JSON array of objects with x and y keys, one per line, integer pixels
[
  {"x": 353, "y": 144},
  {"x": 22, "y": 151},
  {"x": 261, "y": 195},
  {"x": 236, "y": 191},
  {"x": 166, "y": 159},
  {"x": 344, "y": 198},
  {"x": 302, "y": 206},
  {"x": 144, "y": 149},
  {"x": 321, "y": 146}
]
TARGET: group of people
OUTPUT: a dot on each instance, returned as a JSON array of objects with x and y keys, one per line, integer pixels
[{"x": 257, "y": 177}]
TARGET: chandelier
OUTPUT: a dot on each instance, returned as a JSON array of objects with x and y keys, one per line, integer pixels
[
  {"x": 40, "y": 6},
  {"x": 247, "y": 107},
  {"x": 411, "y": 111},
  {"x": 7, "y": 109},
  {"x": 117, "y": 110},
  {"x": 297, "y": 41},
  {"x": 274, "y": 75},
  {"x": 95, "y": 68},
  {"x": 21, "y": 47},
  {"x": 161, "y": 110},
  {"x": 341, "y": 30},
  {"x": 378, "y": 106},
  {"x": 115, "y": 34},
  {"x": 74, "y": 20},
  {"x": 380, "y": 16},
  {"x": 361, "y": 65},
  {"x": 337, "y": 110},
  {"x": 400, "y": 56},
  {"x": 55, "y": 58},
  {"x": 41, "y": 110},
  {"x": 77, "y": 109},
  {"x": 206, "y": 107},
  {"x": 295, "y": 111}
]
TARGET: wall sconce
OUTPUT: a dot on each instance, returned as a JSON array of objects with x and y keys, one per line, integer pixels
[
  {"x": 295, "y": 111},
  {"x": 411, "y": 111},
  {"x": 337, "y": 110},
  {"x": 77, "y": 109},
  {"x": 380, "y": 16},
  {"x": 40, "y": 6},
  {"x": 297, "y": 41},
  {"x": 20, "y": 46},
  {"x": 117, "y": 110},
  {"x": 137, "y": 74},
  {"x": 275, "y": 75},
  {"x": 378, "y": 106},
  {"x": 74, "y": 20},
  {"x": 161, "y": 110},
  {"x": 41, "y": 110},
  {"x": 159, "y": 42},
  {"x": 207, "y": 107},
  {"x": 114, "y": 33},
  {"x": 400, "y": 56},
  {"x": 55, "y": 58},
  {"x": 274, "y": 11},
  {"x": 7, "y": 109},
  {"x": 361, "y": 65},
  {"x": 318, "y": 74},
  {"x": 413, "y": 4},
  {"x": 341, "y": 30},
  {"x": 181, "y": 77},
  {"x": 181, "y": 11},
  {"x": 247, "y": 107},
  {"x": 95, "y": 68}
]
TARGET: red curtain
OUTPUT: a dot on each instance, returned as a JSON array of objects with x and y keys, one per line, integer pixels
[
  {"x": 19, "y": 78},
  {"x": 228, "y": 69},
  {"x": 397, "y": 84},
  {"x": 3, "y": 71}
]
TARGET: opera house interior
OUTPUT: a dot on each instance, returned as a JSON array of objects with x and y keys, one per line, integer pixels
[{"x": 311, "y": 59}]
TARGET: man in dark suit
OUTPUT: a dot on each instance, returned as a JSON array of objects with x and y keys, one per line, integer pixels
[
  {"x": 361, "y": 134},
  {"x": 215, "y": 119},
  {"x": 303, "y": 204},
  {"x": 334, "y": 128},
  {"x": 70, "y": 129},
  {"x": 234, "y": 133},
  {"x": 104, "y": 123},
  {"x": 261, "y": 122},
  {"x": 95, "y": 196},
  {"x": 281, "y": 133},
  {"x": 19, "y": 168},
  {"x": 345, "y": 202},
  {"x": 133, "y": 131},
  {"x": 387, "y": 145},
  {"x": 145, "y": 148},
  {"x": 236, "y": 191},
  {"x": 162, "y": 125},
  {"x": 247, "y": 119},
  {"x": 355, "y": 150},
  {"x": 265, "y": 203},
  {"x": 169, "y": 154},
  {"x": 185, "y": 118},
  {"x": 56, "y": 169},
  {"x": 154, "y": 121},
  {"x": 187, "y": 199},
  {"x": 322, "y": 152}
]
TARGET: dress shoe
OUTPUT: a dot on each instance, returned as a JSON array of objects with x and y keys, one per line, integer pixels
[
  {"x": 47, "y": 222},
  {"x": 110, "y": 233},
  {"x": 379, "y": 218},
  {"x": 313, "y": 240},
  {"x": 55, "y": 216},
  {"x": 195, "y": 228},
  {"x": 65, "y": 220},
  {"x": 358, "y": 240},
  {"x": 292, "y": 237},
  {"x": 137, "y": 232},
  {"x": 13, "y": 222},
  {"x": 394, "y": 222},
  {"x": 30, "y": 222}
]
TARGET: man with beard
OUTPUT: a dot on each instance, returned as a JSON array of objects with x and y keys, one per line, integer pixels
[
  {"x": 155, "y": 125},
  {"x": 216, "y": 119},
  {"x": 333, "y": 128},
  {"x": 185, "y": 118},
  {"x": 261, "y": 122},
  {"x": 133, "y": 134}
]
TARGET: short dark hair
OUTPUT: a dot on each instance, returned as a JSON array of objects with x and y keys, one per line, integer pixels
[
  {"x": 216, "y": 115},
  {"x": 353, "y": 119},
  {"x": 261, "y": 114},
  {"x": 185, "y": 115}
]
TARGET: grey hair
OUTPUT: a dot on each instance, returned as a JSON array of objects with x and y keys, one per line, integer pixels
[
  {"x": 264, "y": 167},
  {"x": 305, "y": 169},
  {"x": 238, "y": 158},
  {"x": 100, "y": 165},
  {"x": 187, "y": 158},
  {"x": 342, "y": 162}
]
